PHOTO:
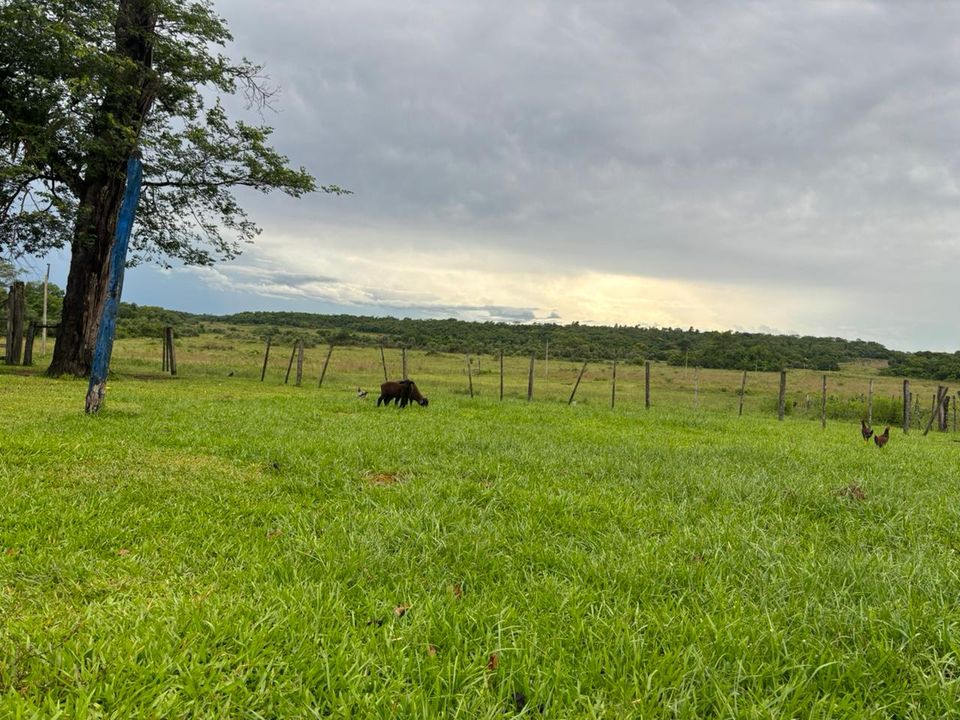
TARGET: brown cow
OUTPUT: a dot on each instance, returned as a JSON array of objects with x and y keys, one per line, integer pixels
[{"x": 400, "y": 392}]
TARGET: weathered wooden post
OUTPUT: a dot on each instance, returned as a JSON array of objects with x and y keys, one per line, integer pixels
[
  {"x": 469, "y": 374},
  {"x": 383, "y": 360},
  {"x": 823, "y": 404},
  {"x": 16, "y": 310},
  {"x": 577, "y": 383},
  {"x": 530, "y": 378},
  {"x": 501, "y": 375},
  {"x": 937, "y": 407},
  {"x": 906, "y": 406},
  {"x": 28, "y": 345},
  {"x": 266, "y": 356},
  {"x": 870, "y": 403},
  {"x": 782, "y": 402},
  {"x": 613, "y": 388},
  {"x": 163, "y": 343},
  {"x": 293, "y": 354},
  {"x": 326, "y": 362},
  {"x": 171, "y": 352},
  {"x": 743, "y": 388},
  {"x": 300, "y": 350},
  {"x": 945, "y": 419},
  {"x": 118, "y": 256},
  {"x": 646, "y": 384}
]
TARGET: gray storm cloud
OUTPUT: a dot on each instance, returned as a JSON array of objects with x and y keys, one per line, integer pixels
[{"x": 806, "y": 145}]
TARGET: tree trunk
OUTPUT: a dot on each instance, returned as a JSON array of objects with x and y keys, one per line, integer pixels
[
  {"x": 87, "y": 282},
  {"x": 117, "y": 124}
]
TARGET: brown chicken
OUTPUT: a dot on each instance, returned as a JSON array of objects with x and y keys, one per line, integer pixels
[
  {"x": 865, "y": 430},
  {"x": 882, "y": 438}
]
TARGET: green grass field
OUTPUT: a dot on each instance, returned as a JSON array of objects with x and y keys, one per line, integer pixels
[{"x": 210, "y": 546}]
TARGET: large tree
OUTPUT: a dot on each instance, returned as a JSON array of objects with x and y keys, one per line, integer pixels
[{"x": 85, "y": 83}]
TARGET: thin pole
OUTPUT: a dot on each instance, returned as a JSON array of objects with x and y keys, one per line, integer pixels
[
  {"x": 530, "y": 379},
  {"x": 546, "y": 359},
  {"x": 646, "y": 384},
  {"x": 870, "y": 403},
  {"x": 383, "y": 360},
  {"x": 906, "y": 406},
  {"x": 501, "y": 375},
  {"x": 163, "y": 364},
  {"x": 293, "y": 354},
  {"x": 696, "y": 387},
  {"x": 299, "y": 362},
  {"x": 43, "y": 331},
  {"x": 469, "y": 374},
  {"x": 325, "y": 363},
  {"x": 577, "y": 384},
  {"x": 782, "y": 402},
  {"x": 743, "y": 387},
  {"x": 266, "y": 356},
  {"x": 613, "y": 389},
  {"x": 823, "y": 404},
  {"x": 403, "y": 357}
]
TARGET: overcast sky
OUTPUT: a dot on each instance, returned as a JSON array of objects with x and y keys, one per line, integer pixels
[{"x": 787, "y": 166}]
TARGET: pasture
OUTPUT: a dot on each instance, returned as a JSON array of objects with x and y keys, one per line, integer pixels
[{"x": 213, "y": 546}]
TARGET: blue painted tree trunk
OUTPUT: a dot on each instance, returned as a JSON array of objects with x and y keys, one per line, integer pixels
[{"x": 118, "y": 259}]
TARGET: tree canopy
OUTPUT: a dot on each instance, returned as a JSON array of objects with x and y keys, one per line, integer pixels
[
  {"x": 59, "y": 65},
  {"x": 83, "y": 85}
]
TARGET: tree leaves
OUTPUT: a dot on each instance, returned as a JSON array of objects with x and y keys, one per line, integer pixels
[{"x": 63, "y": 85}]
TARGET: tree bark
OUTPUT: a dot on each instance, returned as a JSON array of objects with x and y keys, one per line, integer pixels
[{"x": 116, "y": 126}]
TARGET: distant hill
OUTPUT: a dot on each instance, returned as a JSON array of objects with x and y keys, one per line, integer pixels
[{"x": 729, "y": 350}]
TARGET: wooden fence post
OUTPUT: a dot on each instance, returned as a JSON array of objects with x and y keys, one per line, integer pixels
[
  {"x": 300, "y": 350},
  {"x": 266, "y": 356},
  {"x": 326, "y": 362},
  {"x": 646, "y": 384},
  {"x": 163, "y": 342},
  {"x": 28, "y": 345},
  {"x": 782, "y": 402},
  {"x": 937, "y": 405},
  {"x": 696, "y": 387},
  {"x": 530, "y": 379},
  {"x": 906, "y": 406},
  {"x": 823, "y": 404},
  {"x": 945, "y": 417},
  {"x": 469, "y": 374},
  {"x": 383, "y": 360},
  {"x": 870, "y": 403},
  {"x": 743, "y": 388},
  {"x": 613, "y": 389},
  {"x": 577, "y": 384},
  {"x": 171, "y": 351},
  {"x": 16, "y": 310},
  {"x": 293, "y": 354},
  {"x": 501, "y": 375},
  {"x": 403, "y": 359}
]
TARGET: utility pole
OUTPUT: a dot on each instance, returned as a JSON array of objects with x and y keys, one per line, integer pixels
[{"x": 43, "y": 332}]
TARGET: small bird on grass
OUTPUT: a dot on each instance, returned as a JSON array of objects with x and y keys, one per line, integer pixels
[
  {"x": 361, "y": 394},
  {"x": 882, "y": 438},
  {"x": 865, "y": 430}
]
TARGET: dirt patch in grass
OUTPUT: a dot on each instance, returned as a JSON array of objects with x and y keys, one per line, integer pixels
[{"x": 382, "y": 479}]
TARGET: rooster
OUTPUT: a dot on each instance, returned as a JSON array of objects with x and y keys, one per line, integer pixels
[
  {"x": 865, "y": 430},
  {"x": 882, "y": 438},
  {"x": 361, "y": 394}
]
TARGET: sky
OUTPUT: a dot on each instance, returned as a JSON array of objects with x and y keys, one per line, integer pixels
[{"x": 788, "y": 167}]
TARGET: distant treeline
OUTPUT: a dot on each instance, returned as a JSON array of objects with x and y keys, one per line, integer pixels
[{"x": 730, "y": 350}]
